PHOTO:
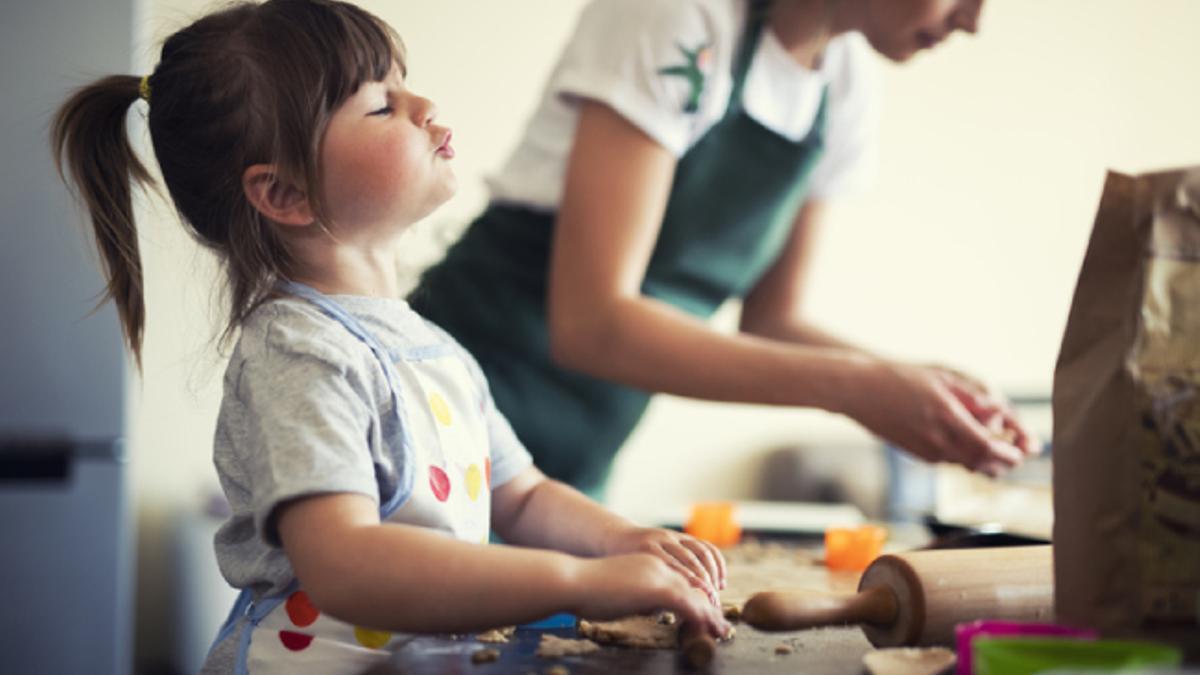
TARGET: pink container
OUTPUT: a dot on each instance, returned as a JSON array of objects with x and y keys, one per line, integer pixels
[{"x": 966, "y": 632}]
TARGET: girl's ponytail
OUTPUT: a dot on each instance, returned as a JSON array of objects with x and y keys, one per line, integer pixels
[{"x": 91, "y": 143}]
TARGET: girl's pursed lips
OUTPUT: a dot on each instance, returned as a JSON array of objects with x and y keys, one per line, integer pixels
[{"x": 444, "y": 148}]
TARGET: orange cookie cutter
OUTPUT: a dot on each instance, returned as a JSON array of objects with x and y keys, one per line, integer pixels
[
  {"x": 853, "y": 548},
  {"x": 714, "y": 522}
]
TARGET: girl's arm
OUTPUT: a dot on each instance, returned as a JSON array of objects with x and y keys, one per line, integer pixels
[
  {"x": 532, "y": 510},
  {"x": 618, "y": 182},
  {"x": 411, "y": 579}
]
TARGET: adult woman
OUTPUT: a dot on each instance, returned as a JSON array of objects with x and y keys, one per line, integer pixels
[{"x": 682, "y": 155}]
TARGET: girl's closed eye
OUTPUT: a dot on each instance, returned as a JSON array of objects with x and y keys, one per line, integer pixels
[{"x": 384, "y": 107}]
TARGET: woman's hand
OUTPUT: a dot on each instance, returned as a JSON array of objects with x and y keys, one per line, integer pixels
[
  {"x": 698, "y": 561},
  {"x": 940, "y": 416},
  {"x": 991, "y": 408},
  {"x": 639, "y": 583}
]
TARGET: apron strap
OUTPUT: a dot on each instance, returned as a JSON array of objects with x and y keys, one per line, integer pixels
[
  {"x": 239, "y": 609},
  {"x": 339, "y": 314},
  {"x": 756, "y": 20}
]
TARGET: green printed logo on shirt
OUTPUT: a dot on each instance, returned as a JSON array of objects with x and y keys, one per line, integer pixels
[{"x": 696, "y": 63}]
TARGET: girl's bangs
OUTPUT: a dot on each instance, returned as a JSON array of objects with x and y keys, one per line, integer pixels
[{"x": 362, "y": 49}]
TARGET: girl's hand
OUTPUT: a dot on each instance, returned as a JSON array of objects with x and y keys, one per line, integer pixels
[
  {"x": 640, "y": 583},
  {"x": 939, "y": 416},
  {"x": 698, "y": 561}
]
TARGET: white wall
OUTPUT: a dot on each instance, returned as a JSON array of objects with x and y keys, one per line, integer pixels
[{"x": 992, "y": 154}]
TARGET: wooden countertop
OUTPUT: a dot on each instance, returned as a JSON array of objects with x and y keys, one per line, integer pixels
[{"x": 752, "y": 568}]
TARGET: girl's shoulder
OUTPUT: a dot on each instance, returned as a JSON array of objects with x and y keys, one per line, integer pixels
[
  {"x": 295, "y": 328},
  {"x": 286, "y": 340},
  {"x": 298, "y": 327}
]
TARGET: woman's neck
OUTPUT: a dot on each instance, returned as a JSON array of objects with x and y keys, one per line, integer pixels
[{"x": 805, "y": 27}]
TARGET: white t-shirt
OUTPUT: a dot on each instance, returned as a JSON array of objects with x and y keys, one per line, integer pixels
[{"x": 616, "y": 56}]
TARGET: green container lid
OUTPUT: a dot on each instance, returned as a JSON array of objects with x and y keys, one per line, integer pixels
[{"x": 1024, "y": 656}]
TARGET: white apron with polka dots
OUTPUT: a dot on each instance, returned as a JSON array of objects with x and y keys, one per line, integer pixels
[{"x": 441, "y": 410}]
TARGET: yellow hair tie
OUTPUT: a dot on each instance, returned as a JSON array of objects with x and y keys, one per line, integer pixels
[{"x": 144, "y": 88}]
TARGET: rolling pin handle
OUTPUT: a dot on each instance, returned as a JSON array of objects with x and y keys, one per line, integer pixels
[
  {"x": 783, "y": 610},
  {"x": 876, "y": 606}
]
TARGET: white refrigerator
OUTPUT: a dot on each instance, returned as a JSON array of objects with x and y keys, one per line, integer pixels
[{"x": 66, "y": 545}]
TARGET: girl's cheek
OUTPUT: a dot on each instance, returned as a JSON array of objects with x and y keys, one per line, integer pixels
[{"x": 393, "y": 156}]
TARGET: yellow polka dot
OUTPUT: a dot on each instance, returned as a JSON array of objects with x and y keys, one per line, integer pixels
[
  {"x": 371, "y": 639},
  {"x": 441, "y": 410},
  {"x": 474, "y": 479}
]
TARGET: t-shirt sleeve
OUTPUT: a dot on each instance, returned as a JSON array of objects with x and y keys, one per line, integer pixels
[
  {"x": 308, "y": 415},
  {"x": 651, "y": 62},
  {"x": 848, "y": 166},
  {"x": 509, "y": 456}
]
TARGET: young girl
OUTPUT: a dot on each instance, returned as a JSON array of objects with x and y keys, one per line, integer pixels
[{"x": 358, "y": 445}]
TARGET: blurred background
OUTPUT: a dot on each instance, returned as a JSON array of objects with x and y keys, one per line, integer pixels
[{"x": 991, "y": 156}]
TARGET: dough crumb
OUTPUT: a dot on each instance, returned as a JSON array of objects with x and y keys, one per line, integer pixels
[
  {"x": 554, "y": 647},
  {"x": 639, "y": 632},
  {"x": 666, "y": 618},
  {"x": 731, "y": 611},
  {"x": 485, "y": 656},
  {"x": 497, "y": 635},
  {"x": 783, "y": 649}
]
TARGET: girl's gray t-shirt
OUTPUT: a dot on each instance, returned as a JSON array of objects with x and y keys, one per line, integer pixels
[{"x": 307, "y": 410}]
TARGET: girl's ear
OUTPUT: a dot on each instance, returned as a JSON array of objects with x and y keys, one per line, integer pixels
[{"x": 280, "y": 201}]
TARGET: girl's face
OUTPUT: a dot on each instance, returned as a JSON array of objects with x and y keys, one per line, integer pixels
[
  {"x": 385, "y": 163},
  {"x": 898, "y": 29}
]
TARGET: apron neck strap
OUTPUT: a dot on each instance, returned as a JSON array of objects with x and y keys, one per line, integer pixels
[
  {"x": 756, "y": 22},
  {"x": 335, "y": 311}
]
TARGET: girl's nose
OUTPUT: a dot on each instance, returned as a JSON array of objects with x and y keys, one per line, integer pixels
[{"x": 425, "y": 112}]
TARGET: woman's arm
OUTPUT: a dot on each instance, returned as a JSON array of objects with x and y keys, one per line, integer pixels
[
  {"x": 618, "y": 181},
  {"x": 617, "y": 186},
  {"x": 411, "y": 579},
  {"x": 774, "y": 307},
  {"x": 532, "y": 510}
]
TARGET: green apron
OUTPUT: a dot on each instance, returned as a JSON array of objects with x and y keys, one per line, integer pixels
[{"x": 734, "y": 198}]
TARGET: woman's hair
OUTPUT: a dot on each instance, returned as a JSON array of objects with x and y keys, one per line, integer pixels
[{"x": 250, "y": 84}]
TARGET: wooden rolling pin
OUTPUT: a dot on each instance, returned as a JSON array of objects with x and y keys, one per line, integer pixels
[{"x": 916, "y": 598}]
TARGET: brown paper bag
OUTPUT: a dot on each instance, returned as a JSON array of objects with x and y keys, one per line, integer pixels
[{"x": 1127, "y": 418}]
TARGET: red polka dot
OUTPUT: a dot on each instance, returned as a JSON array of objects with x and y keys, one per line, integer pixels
[
  {"x": 487, "y": 471},
  {"x": 294, "y": 641},
  {"x": 300, "y": 609},
  {"x": 440, "y": 482}
]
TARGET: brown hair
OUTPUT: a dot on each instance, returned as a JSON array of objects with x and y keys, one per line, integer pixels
[{"x": 250, "y": 84}]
